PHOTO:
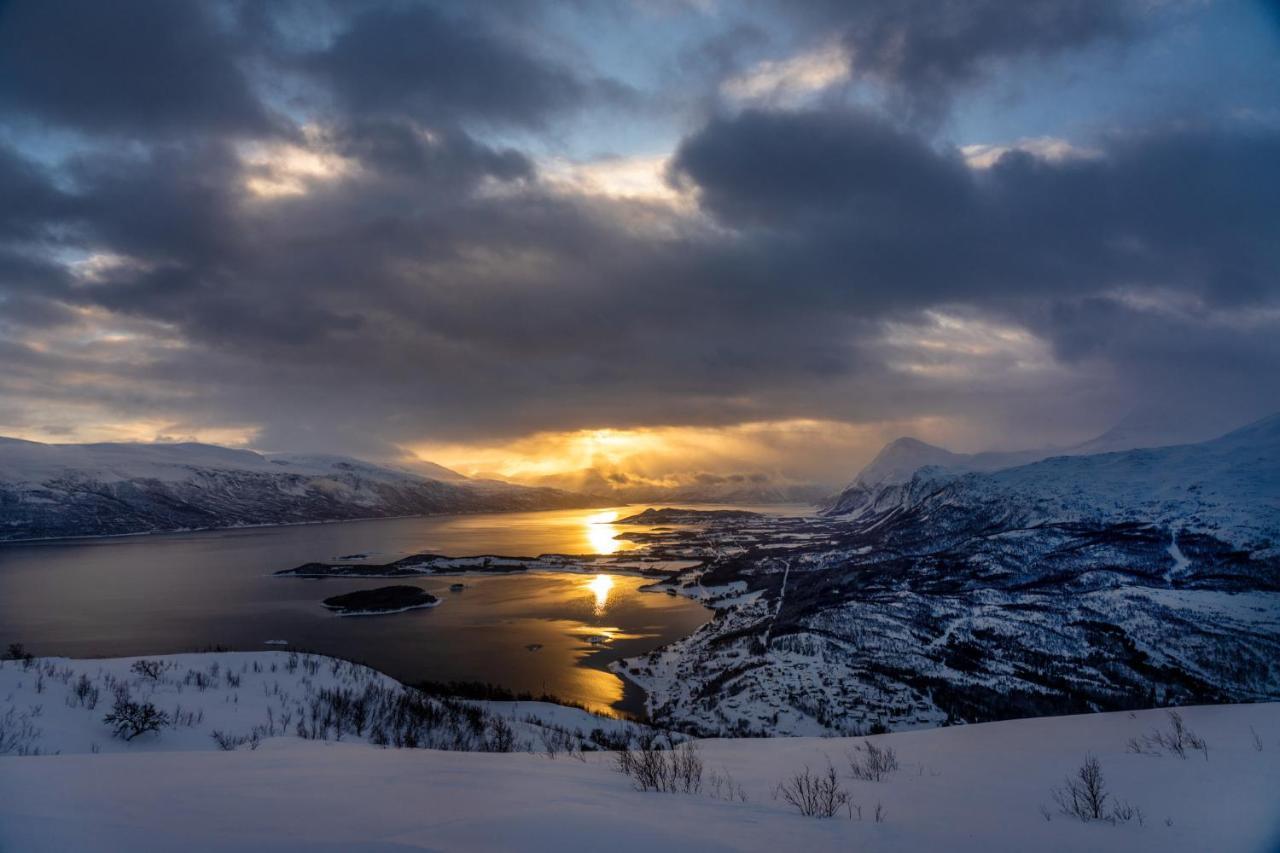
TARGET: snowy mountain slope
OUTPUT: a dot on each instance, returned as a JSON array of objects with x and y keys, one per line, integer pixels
[
  {"x": 883, "y": 479},
  {"x": 1101, "y": 582},
  {"x": 1228, "y": 487},
  {"x": 105, "y": 489},
  {"x": 968, "y": 788}
]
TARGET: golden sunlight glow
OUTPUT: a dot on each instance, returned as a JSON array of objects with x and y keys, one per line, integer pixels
[
  {"x": 601, "y": 461},
  {"x": 640, "y": 178},
  {"x": 601, "y": 586},
  {"x": 284, "y": 169},
  {"x": 601, "y": 533}
]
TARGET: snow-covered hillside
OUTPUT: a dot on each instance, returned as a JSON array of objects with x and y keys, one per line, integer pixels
[
  {"x": 1095, "y": 582},
  {"x": 970, "y": 788},
  {"x": 1228, "y": 487},
  {"x": 54, "y": 490}
]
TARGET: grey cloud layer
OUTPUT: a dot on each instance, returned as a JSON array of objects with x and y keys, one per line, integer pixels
[{"x": 443, "y": 288}]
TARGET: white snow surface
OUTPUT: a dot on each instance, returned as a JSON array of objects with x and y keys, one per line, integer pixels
[{"x": 969, "y": 788}]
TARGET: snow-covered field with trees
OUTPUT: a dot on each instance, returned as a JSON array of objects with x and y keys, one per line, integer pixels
[{"x": 288, "y": 751}]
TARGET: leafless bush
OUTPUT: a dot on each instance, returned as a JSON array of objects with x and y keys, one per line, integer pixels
[
  {"x": 502, "y": 738},
  {"x": 84, "y": 691},
  {"x": 18, "y": 652},
  {"x": 18, "y": 734},
  {"x": 676, "y": 769},
  {"x": 1257, "y": 739},
  {"x": 1085, "y": 796},
  {"x": 722, "y": 787},
  {"x": 230, "y": 743},
  {"x": 1123, "y": 812},
  {"x": 557, "y": 739},
  {"x": 148, "y": 668},
  {"x": 1176, "y": 741},
  {"x": 128, "y": 719},
  {"x": 815, "y": 794},
  {"x": 873, "y": 766}
]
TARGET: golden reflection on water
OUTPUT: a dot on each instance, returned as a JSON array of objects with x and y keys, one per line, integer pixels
[
  {"x": 601, "y": 586},
  {"x": 600, "y": 532}
]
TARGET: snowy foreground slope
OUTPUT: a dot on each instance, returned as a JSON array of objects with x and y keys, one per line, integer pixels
[
  {"x": 57, "y": 490},
  {"x": 969, "y": 788}
]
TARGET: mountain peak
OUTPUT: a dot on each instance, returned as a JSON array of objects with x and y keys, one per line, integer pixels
[{"x": 898, "y": 460}]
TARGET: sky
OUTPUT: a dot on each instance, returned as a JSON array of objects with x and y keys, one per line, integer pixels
[{"x": 654, "y": 242}]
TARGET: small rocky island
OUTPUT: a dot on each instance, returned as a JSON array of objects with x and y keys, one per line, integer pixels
[{"x": 383, "y": 600}]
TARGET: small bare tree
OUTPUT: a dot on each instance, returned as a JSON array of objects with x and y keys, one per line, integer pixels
[
  {"x": 1084, "y": 795},
  {"x": 128, "y": 719},
  {"x": 815, "y": 794}
]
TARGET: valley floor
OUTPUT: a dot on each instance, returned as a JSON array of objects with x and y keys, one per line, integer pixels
[{"x": 968, "y": 788}]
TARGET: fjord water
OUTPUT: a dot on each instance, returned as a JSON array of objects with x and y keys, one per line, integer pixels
[{"x": 182, "y": 592}]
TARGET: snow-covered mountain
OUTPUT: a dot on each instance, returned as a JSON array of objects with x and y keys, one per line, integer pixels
[
  {"x": 697, "y": 487},
  {"x": 57, "y": 490},
  {"x": 883, "y": 480},
  {"x": 1103, "y": 581},
  {"x": 900, "y": 459},
  {"x": 1228, "y": 487}
]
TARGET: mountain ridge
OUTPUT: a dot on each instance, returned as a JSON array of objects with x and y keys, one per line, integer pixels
[{"x": 71, "y": 490}]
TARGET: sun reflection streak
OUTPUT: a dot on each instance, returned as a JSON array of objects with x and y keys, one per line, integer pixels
[
  {"x": 601, "y": 586},
  {"x": 600, "y": 532}
]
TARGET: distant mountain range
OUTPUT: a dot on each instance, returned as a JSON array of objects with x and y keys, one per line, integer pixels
[
  {"x": 1207, "y": 484},
  {"x": 702, "y": 487},
  {"x": 62, "y": 490}
]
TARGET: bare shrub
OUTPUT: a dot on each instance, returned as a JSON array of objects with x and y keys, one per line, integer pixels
[
  {"x": 128, "y": 719},
  {"x": 18, "y": 734},
  {"x": 558, "y": 739},
  {"x": 230, "y": 743},
  {"x": 675, "y": 769},
  {"x": 722, "y": 787},
  {"x": 18, "y": 652},
  {"x": 1084, "y": 795},
  {"x": 1257, "y": 739},
  {"x": 871, "y": 763},
  {"x": 1123, "y": 812},
  {"x": 1176, "y": 740},
  {"x": 84, "y": 691},
  {"x": 815, "y": 794},
  {"x": 502, "y": 738},
  {"x": 148, "y": 668}
]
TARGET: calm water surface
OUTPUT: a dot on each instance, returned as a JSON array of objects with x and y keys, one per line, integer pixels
[{"x": 179, "y": 592}]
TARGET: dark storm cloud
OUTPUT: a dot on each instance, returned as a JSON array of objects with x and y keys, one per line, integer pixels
[
  {"x": 418, "y": 61},
  {"x": 925, "y": 50},
  {"x": 135, "y": 67},
  {"x": 434, "y": 284},
  {"x": 775, "y": 168},
  {"x": 1185, "y": 208}
]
